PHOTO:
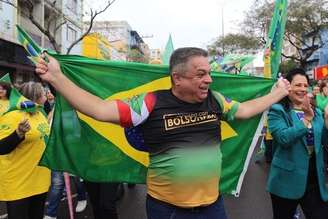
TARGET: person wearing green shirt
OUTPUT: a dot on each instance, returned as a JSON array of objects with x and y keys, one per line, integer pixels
[{"x": 322, "y": 97}]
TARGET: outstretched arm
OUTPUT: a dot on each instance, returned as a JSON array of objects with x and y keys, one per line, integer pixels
[
  {"x": 80, "y": 99},
  {"x": 255, "y": 106}
]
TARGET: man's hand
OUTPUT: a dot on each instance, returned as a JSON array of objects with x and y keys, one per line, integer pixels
[
  {"x": 23, "y": 127},
  {"x": 48, "y": 71},
  {"x": 282, "y": 86}
]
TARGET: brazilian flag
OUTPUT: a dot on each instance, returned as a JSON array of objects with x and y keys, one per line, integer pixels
[
  {"x": 273, "y": 47},
  {"x": 99, "y": 151},
  {"x": 16, "y": 100}
]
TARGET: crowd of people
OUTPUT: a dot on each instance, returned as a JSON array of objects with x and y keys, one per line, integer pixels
[
  {"x": 25, "y": 186},
  {"x": 298, "y": 129}
]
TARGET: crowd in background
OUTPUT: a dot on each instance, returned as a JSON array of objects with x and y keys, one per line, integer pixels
[
  {"x": 296, "y": 138},
  {"x": 25, "y": 186}
]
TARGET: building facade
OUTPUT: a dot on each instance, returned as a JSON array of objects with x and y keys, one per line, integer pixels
[
  {"x": 320, "y": 56},
  {"x": 12, "y": 56},
  {"x": 155, "y": 56},
  {"x": 121, "y": 38},
  {"x": 96, "y": 46},
  {"x": 65, "y": 16}
]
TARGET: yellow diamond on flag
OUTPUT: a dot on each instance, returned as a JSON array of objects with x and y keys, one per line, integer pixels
[
  {"x": 115, "y": 133},
  {"x": 227, "y": 131}
]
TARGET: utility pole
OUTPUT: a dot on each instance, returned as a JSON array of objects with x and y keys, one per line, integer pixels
[{"x": 222, "y": 26}]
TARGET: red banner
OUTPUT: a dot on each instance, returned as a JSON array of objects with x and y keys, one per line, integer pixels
[{"x": 321, "y": 72}]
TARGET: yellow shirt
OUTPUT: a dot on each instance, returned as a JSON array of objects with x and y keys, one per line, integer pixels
[
  {"x": 4, "y": 105},
  {"x": 20, "y": 175}
]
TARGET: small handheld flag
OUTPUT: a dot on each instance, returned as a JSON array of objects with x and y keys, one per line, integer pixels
[{"x": 30, "y": 46}]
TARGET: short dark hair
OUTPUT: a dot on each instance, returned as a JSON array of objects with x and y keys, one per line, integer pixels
[
  {"x": 323, "y": 84},
  {"x": 7, "y": 87},
  {"x": 181, "y": 56},
  {"x": 296, "y": 71}
]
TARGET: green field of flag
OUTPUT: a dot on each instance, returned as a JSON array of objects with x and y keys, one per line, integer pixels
[
  {"x": 273, "y": 48},
  {"x": 98, "y": 151}
]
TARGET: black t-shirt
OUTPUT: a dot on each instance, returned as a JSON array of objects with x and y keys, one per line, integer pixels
[{"x": 175, "y": 123}]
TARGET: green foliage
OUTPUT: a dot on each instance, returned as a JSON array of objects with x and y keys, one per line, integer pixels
[
  {"x": 257, "y": 20},
  {"x": 234, "y": 43},
  {"x": 285, "y": 66},
  {"x": 304, "y": 21}
]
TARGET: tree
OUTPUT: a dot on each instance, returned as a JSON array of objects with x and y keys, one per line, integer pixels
[
  {"x": 251, "y": 35},
  {"x": 305, "y": 20},
  {"x": 234, "y": 43},
  {"x": 287, "y": 65},
  {"x": 55, "y": 20},
  {"x": 257, "y": 20}
]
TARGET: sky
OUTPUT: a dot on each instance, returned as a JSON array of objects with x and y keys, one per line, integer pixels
[{"x": 190, "y": 22}]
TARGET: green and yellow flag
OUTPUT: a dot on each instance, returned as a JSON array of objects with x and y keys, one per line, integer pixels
[
  {"x": 16, "y": 100},
  {"x": 99, "y": 151},
  {"x": 6, "y": 78},
  {"x": 272, "y": 52},
  {"x": 169, "y": 48},
  {"x": 30, "y": 46}
]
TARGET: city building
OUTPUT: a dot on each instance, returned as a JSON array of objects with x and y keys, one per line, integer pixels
[
  {"x": 122, "y": 38},
  {"x": 320, "y": 56},
  {"x": 12, "y": 56},
  {"x": 64, "y": 16},
  {"x": 94, "y": 45},
  {"x": 155, "y": 56}
]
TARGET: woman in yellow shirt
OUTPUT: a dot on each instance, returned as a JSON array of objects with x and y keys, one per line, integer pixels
[{"x": 24, "y": 184}]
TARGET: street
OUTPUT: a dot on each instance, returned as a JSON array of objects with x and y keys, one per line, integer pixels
[{"x": 253, "y": 203}]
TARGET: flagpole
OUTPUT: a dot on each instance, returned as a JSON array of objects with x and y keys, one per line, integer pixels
[
  {"x": 69, "y": 195},
  {"x": 222, "y": 26}
]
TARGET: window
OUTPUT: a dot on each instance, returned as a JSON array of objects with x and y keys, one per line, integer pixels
[
  {"x": 71, "y": 34},
  {"x": 72, "y": 5}
]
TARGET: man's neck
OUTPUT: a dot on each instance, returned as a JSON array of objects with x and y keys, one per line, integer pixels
[{"x": 181, "y": 95}]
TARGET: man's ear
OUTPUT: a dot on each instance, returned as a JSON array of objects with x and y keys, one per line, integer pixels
[{"x": 176, "y": 78}]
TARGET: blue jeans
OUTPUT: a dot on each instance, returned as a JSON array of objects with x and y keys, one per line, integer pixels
[
  {"x": 56, "y": 191},
  {"x": 160, "y": 210}
]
